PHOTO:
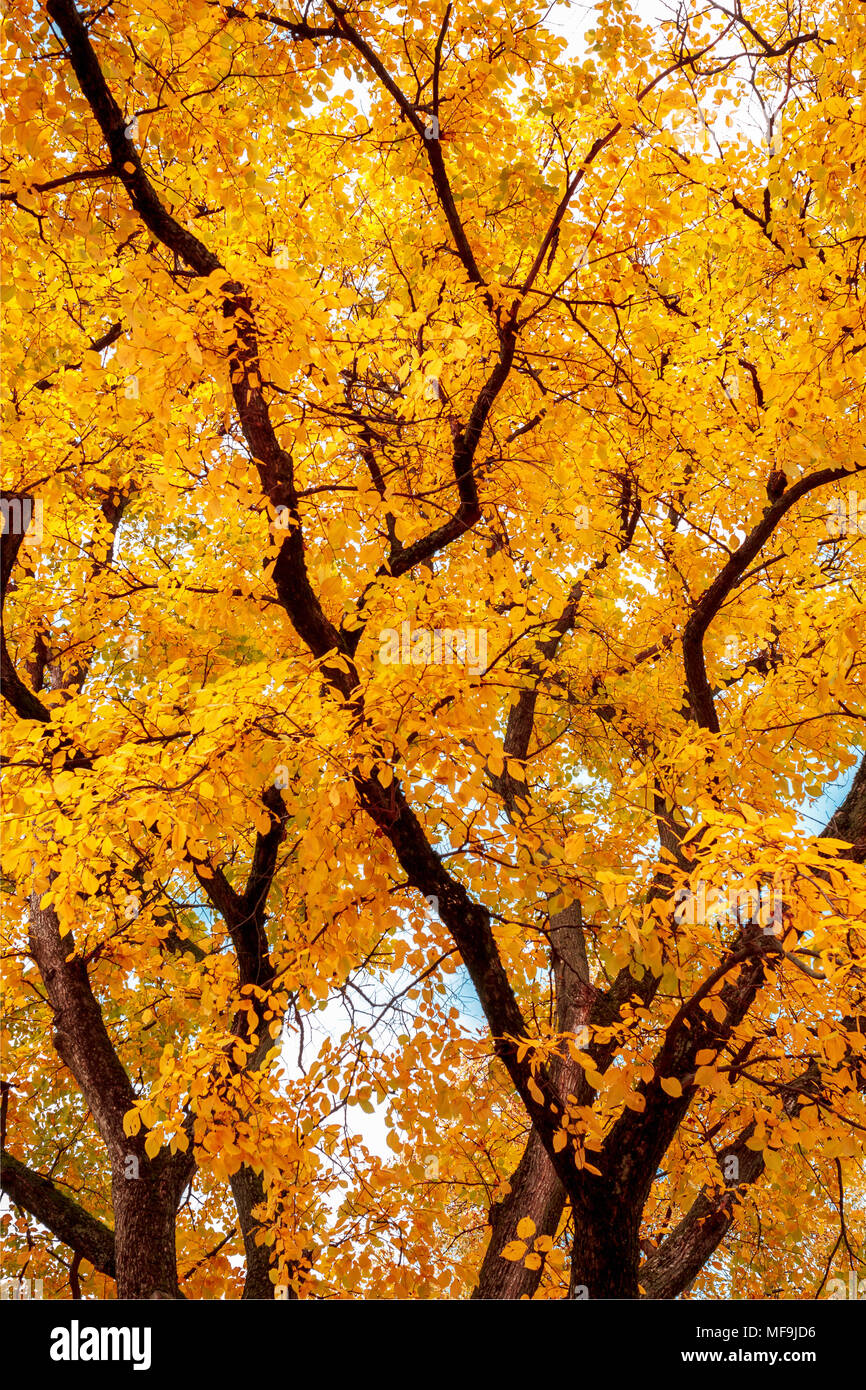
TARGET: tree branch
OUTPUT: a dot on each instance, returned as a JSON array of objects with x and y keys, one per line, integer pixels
[
  {"x": 706, "y": 608},
  {"x": 85, "y": 1234}
]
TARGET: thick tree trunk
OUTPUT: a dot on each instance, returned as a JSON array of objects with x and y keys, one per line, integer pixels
[
  {"x": 606, "y": 1247},
  {"x": 145, "y": 1211}
]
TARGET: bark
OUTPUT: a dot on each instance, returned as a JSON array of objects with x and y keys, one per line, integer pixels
[
  {"x": 15, "y": 692},
  {"x": 606, "y": 1246},
  {"x": 249, "y": 1192},
  {"x": 608, "y": 1207},
  {"x": 677, "y": 1262},
  {"x": 536, "y": 1190},
  {"x": 145, "y": 1192},
  {"x": 63, "y": 1217},
  {"x": 849, "y": 822},
  {"x": 700, "y": 692},
  {"x": 681, "y": 1257},
  {"x": 145, "y": 1212}
]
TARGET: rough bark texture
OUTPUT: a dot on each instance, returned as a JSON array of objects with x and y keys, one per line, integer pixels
[
  {"x": 145, "y": 1210},
  {"x": 69, "y": 1222},
  {"x": 606, "y": 1246},
  {"x": 849, "y": 822},
  {"x": 249, "y": 1192},
  {"x": 535, "y": 1192},
  {"x": 681, "y": 1257},
  {"x": 145, "y": 1192}
]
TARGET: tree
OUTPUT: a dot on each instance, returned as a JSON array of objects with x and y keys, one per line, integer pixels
[{"x": 444, "y": 566}]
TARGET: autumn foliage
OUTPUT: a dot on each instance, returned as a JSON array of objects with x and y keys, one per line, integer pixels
[{"x": 433, "y": 568}]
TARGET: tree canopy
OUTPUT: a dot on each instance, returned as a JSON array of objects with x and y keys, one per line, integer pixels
[{"x": 433, "y": 574}]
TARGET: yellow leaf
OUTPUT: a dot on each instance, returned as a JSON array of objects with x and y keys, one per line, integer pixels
[
  {"x": 672, "y": 1086},
  {"x": 131, "y": 1123},
  {"x": 514, "y": 1250},
  {"x": 574, "y": 847},
  {"x": 526, "y": 1228}
]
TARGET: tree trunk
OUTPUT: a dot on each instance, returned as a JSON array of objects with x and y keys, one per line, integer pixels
[
  {"x": 248, "y": 1190},
  {"x": 535, "y": 1192},
  {"x": 606, "y": 1248},
  {"x": 145, "y": 1211}
]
